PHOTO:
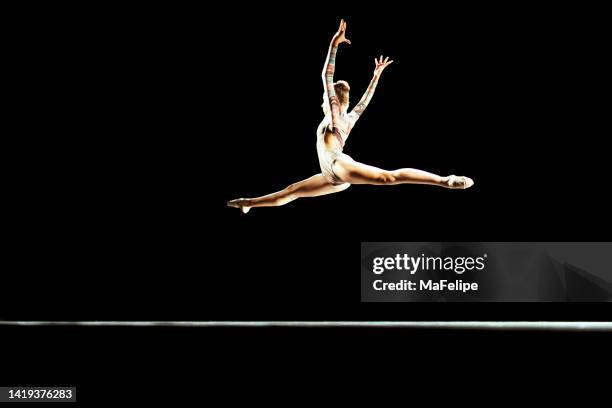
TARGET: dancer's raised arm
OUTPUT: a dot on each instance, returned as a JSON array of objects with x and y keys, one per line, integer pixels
[
  {"x": 333, "y": 104},
  {"x": 379, "y": 67}
]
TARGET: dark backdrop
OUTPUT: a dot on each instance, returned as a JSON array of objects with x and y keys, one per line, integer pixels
[{"x": 136, "y": 126}]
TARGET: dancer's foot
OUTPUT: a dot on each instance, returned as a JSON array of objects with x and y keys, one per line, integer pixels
[
  {"x": 460, "y": 182},
  {"x": 240, "y": 203}
]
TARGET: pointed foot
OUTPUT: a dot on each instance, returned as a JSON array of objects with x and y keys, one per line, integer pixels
[
  {"x": 459, "y": 182},
  {"x": 240, "y": 203}
]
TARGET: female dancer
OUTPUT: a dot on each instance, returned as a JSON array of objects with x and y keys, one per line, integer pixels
[{"x": 338, "y": 170}]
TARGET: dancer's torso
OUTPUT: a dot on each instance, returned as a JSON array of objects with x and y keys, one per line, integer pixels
[
  {"x": 330, "y": 143},
  {"x": 333, "y": 140}
]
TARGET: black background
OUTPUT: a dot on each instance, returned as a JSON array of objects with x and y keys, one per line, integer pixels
[
  {"x": 132, "y": 126},
  {"x": 136, "y": 126}
]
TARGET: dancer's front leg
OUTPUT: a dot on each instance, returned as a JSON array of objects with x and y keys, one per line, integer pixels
[
  {"x": 313, "y": 186},
  {"x": 354, "y": 172}
]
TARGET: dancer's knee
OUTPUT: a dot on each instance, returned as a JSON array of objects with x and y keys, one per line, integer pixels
[
  {"x": 292, "y": 192},
  {"x": 285, "y": 199},
  {"x": 292, "y": 189},
  {"x": 386, "y": 177}
]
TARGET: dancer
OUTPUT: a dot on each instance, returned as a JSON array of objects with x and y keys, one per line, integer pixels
[{"x": 338, "y": 170}]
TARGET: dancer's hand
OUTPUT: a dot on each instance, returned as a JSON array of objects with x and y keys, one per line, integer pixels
[
  {"x": 380, "y": 65},
  {"x": 339, "y": 37}
]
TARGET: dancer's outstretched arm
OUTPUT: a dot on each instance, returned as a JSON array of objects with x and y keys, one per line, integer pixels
[
  {"x": 328, "y": 73},
  {"x": 379, "y": 67}
]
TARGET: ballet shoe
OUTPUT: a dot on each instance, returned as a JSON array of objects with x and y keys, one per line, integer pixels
[
  {"x": 240, "y": 204},
  {"x": 460, "y": 182}
]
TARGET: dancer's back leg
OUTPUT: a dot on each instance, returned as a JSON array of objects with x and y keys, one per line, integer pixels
[{"x": 313, "y": 186}]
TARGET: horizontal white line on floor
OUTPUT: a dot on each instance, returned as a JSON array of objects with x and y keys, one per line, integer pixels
[{"x": 487, "y": 325}]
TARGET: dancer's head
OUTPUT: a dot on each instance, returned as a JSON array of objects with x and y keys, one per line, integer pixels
[{"x": 342, "y": 89}]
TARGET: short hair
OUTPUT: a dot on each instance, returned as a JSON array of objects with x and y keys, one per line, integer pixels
[{"x": 342, "y": 89}]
